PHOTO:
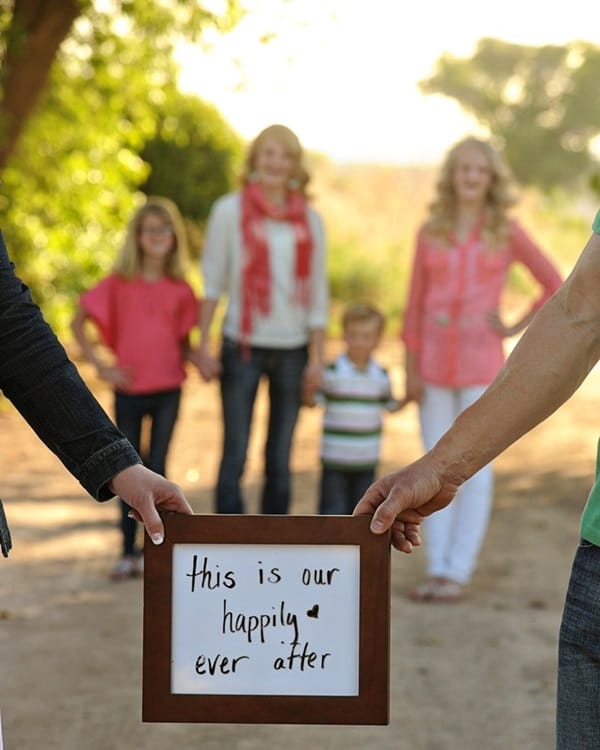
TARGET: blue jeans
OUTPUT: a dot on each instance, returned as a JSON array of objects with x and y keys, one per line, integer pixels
[
  {"x": 241, "y": 374},
  {"x": 578, "y": 693},
  {"x": 342, "y": 489},
  {"x": 162, "y": 409}
]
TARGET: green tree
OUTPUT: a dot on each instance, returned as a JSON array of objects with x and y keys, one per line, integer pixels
[
  {"x": 194, "y": 157},
  {"x": 73, "y": 178},
  {"x": 540, "y": 104},
  {"x": 33, "y": 32}
]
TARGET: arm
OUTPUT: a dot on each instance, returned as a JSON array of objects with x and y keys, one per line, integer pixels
[
  {"x": 506, "y": 331},
  {"x": 116, "y": 376},
  {"x": 411, "y": 326},
  {"x": 319, "y": 305},
  {"x": 188, "y": 318},
  {"x": 414, "y": 381},
  {"x": 389, "y": 402},
  {"x": 313, "y": 375},
  {"x": 551, "y": 360},
  {"x": 215, "y": 271},
  {"x": 45, "y": 387},
  {"x": 208, "y": 365},
  {"x": 542, "y": 269},
  {"x": 397, "y": 405}
]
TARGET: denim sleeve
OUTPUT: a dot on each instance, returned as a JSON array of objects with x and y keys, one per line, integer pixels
[{"x": 45, "y": 387}]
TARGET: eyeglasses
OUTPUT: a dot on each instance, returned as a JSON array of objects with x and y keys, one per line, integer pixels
[{"x": 164, "y": 231}]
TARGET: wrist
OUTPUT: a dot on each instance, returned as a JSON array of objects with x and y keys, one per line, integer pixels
[{"x": 452, "y": 469}]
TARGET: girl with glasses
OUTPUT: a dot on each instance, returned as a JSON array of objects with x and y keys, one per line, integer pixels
[{"x": 144, "y": 311}]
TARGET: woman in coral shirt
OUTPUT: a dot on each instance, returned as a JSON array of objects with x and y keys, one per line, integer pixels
[{"x": 454, "y": 335}]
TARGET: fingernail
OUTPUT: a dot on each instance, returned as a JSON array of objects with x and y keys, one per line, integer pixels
[
  {"x": 377, "y": 526},
  {"x": 157, "y": 538}
]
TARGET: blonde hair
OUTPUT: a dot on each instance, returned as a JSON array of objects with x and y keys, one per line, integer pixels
[
  {"x": 129, "y": 259},
  {"x": 289, "y": 140},
  {"x": 359, "y": 312},
  {"x": 499, "y": 199}
]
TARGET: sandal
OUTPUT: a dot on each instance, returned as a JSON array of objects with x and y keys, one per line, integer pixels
[
  {"x": 424, "y": 592},
  {"x": 448, "y": 592},
  {"x": 124, "y": 568}
]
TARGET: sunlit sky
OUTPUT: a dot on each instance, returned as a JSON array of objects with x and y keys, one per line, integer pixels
[{"x": 343, "y": 73}]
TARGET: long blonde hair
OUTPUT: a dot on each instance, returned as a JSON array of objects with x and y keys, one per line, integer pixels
[
  {"x": 499, "y": 199},
  {"x": 289, "y": 140},
  {"x": 129, "y": 259}
]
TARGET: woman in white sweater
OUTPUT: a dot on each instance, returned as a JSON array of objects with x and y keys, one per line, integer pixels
[{"x": 264, "y": 252}]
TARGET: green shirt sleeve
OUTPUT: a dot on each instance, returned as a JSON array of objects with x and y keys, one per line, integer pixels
[
  {"x": 590, "y": 520},
  {"x": 596, "y": 224}
]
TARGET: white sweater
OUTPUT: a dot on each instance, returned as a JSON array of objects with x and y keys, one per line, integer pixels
[{"x": 288, "y": 325}]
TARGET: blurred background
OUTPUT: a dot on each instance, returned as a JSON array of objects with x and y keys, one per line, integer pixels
[{"x": 104, "y": 101}]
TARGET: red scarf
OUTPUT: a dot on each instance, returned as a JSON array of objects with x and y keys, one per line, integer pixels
[{"x": 256, "y": 271}]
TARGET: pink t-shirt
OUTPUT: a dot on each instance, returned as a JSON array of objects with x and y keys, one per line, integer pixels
[
  {"x": 144, "y": 323},
  {"x": 451, "y": 291}
]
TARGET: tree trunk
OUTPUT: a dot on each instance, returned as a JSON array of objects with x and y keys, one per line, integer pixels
[{"x": 37, "y": 30}]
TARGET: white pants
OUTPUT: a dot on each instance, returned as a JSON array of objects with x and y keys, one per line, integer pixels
[{"x": 454, "y": 535}]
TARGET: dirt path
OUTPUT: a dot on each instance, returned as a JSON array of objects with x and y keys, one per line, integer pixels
[{"x": 477, "y": 676}]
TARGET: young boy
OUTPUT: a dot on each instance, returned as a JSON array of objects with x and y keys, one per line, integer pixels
[{"x": 355, "y": 390}]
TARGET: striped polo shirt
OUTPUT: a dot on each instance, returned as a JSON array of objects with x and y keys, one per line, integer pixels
[{"x": 352, "y": 421}]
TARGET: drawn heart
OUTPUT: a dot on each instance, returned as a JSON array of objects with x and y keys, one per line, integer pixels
[{"x": 313, "y": 611}]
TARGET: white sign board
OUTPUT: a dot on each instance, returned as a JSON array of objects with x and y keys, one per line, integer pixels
[{"x": 265, "y": 619}]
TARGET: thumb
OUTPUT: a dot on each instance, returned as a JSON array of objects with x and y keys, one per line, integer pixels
[{"x": 383, "y": 518}]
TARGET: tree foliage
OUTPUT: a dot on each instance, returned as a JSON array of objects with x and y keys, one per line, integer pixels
[
  {"x": 540, "y": 104},
  {"x": 33, "y": 32},
  {"x": 194, "y": 157},
  {"x": 72, "y": 180}
]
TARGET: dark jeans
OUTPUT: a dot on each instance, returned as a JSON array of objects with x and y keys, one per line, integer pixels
[
  {"x": 342, "y": 489},
  {"x": 578, "y": 694},
  {"x": 240, "y": 377},
  {"x": 130, "y": 410}
]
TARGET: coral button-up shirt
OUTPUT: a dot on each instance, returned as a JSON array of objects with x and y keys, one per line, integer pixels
[{"x": 451, "y": 292}]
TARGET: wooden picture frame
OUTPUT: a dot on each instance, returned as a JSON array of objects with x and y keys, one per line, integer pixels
[{"x": 184, "y": 588}]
